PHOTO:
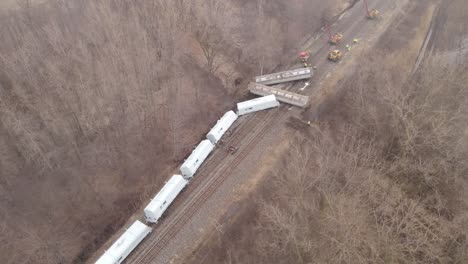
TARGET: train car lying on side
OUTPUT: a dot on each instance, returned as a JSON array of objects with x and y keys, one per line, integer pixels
[
  {"x": 221, "y": 127},
  {"x": 156, "y": 208},
  {"x": 126, "y": 243},
  {"x": 257, "y": 104},
  {"x": 194, "y": 161},
  {"x": 281, "y": 95},
  {"x": 286, "y": 76}
]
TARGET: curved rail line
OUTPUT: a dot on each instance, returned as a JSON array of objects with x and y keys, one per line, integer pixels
[
  {"x": 259, "y": 124},
  {"x": 213, "y": 161}
]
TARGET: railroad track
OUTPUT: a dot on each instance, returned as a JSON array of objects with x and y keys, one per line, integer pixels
[
  {"x": 209, "y": 177},
  {"x": 236, "y": 138},
  {"x": 214, "y": 160},
  {"x": 250, "y": 134},
  {"x": 182, "y": 209}
]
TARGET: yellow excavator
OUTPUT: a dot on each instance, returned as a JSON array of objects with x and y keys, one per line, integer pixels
[
  {"x": 333, "y": 39},
  {"x": 373, "y": 14},
  {"x": 335, "y": 55}
]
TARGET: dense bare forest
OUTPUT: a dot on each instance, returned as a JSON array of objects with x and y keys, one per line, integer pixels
[
  {"x": 99, "y": 100},
  {"x": 381, "y": 177}
]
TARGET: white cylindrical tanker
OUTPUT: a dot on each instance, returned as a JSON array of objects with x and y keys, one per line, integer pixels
[
  {"x": 156, "y": 208},
  {"x": 126, "y": 243},
  {"x": 194, "y": 161},
  {"x": 223, "y": 124},
  {"x": 257, "y": 104}
]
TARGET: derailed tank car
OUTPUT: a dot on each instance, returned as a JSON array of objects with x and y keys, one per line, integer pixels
[
  {"x": 156, "y": 208},
  {"x": 126, "y": 243},
  {"x": 286, "y": 76},
  {"x": 194, "y": 161},
  {"x": 221, "y": 127},
  {"x": 257, "y": 104}
]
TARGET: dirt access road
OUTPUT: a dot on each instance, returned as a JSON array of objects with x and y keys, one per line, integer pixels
[{"x": 214, "y": 188}]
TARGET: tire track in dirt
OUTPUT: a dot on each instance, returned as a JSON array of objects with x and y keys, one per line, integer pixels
[{"x": 428, "y": 39}]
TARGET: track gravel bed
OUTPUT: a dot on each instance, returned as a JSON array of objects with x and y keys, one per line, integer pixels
[{"x": 215, "y": 207}]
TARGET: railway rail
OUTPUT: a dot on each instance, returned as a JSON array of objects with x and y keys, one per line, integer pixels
[
  {"x": 210, "y": 176},
  {"x": 219, "y": 166}
]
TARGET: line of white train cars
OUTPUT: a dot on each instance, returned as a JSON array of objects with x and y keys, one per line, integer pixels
[{"x": 158, "y": 205}]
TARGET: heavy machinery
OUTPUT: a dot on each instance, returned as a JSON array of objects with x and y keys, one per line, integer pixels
[
  {"x": 304, "y": 56},
  {"x": 335, "y": 55},
  {"x": 371, "y": 14},
  {"x": 333, "y": 39}
]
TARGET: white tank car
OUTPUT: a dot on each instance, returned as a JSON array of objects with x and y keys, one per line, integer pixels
[
  {"x": 223, "y": 124},
  {"x": 164, "y": 198},
  {"x": 126, "y": 243},
  {"x": 194, "y": 161},
  {"x": 257, "y": 104}
]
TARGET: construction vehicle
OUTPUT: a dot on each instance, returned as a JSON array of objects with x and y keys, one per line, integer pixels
[
  {"x": 304, "y": 56},
  {"x": 335, "y": 55},
  {"x": 371, "y": 14},
  {"x": 333, "y": 39}
]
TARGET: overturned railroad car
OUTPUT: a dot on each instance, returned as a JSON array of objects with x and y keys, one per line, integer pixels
[
  {"x": 257, "y": 104},
  {"x": 286, "y": 76}
]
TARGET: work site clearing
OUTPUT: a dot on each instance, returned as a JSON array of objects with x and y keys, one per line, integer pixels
[{"x": 298, "y": 132}]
